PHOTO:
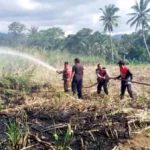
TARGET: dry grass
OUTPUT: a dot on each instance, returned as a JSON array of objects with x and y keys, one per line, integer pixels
[{"x": 93, "y": 116}]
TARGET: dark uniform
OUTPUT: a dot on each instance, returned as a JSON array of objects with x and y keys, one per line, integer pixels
[
  {"x": 66, "y": 80},
  {"x": 77, "y": 79},
  {"x": 66, "y": 76},
  {"x": 101, "y": 73},
  {"x": 126, "y": 77}
]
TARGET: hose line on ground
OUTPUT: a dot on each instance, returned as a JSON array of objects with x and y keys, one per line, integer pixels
[{"x": 121, "y": 80}]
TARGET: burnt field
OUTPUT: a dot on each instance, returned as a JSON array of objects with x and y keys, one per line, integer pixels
[{"x": 41, "y": 116}]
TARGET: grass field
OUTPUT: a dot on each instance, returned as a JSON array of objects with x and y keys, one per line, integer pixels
[{"x": 36, "y": 113}]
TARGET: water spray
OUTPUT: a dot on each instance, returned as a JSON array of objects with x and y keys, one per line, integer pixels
[{"x": 15, "y": 53}]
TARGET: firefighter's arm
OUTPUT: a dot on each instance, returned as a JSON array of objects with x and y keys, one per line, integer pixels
[
  {"x": 107, "y": 76},
  {"x": 73, "y": 73},
  {"x": 98, "y": 75},
  {"x": 83, "y": 72},
  {"x": 118, "y": 77},
  {"x": 107, "y": 73},
  {"x": 130, "y": 74},
  {"x": 59, "y": 72}
]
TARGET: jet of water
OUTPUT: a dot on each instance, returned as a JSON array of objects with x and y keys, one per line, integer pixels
[{"x": 15, "y": 53}]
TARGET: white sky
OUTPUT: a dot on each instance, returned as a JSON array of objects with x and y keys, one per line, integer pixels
[{"x": 70, "y": 15}]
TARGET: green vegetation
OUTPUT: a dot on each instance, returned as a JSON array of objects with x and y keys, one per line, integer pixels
[
  {"x": 141, "y": 18},
  {"x": 64, "y": 143},
  {"x": 86, "y": 42},
  {"x": 34, "y": 95},
  {"x": 14, "y": 134},
  {"x": 109, "y": 21}
]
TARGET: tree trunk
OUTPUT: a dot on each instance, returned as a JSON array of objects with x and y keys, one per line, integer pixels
[
  {"x": 145, "y": 42},
  {"x": 112, "y": 53},
  {"x": 124, "y": 57}
]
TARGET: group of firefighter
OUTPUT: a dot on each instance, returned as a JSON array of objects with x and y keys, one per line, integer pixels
[{"x": 75, "y": 77}]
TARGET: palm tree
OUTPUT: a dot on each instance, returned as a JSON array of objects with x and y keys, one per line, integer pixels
[
  {"x": 141, "y": 18},
  {"x": 33, "y": 30},
  {"x": 110, "y": 21}
]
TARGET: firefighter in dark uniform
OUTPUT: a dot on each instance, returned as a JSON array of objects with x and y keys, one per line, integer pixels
[
  {"x": 126, "y": 77},
  {"x": 77, "y": 78},
  {"x": 102, "y": 79},
  {"x": 66, "y": 76}
]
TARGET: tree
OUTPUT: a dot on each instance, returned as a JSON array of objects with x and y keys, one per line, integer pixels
[
  {"x": 81, "y": 42},
  {"x": 16, "y": 27},
  {"x": 101, "y": 42},
  {"x": 124, "y": 45},
  {"x": 141, "y": 18},
  {"x": 110, "y": 21},
  {"x": 51, "y": 39},
  {"x": 16, "y": 34},
  {"x": 85, "y": 41},
  {"x": 33, "y": 30}
]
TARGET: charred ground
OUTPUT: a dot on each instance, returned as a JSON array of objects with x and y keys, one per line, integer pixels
[{"x": 97, "y": 122}]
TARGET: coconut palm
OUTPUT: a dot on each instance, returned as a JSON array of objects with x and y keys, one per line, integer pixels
[
  {"x": 110, "y": 21},
  {"x": 33, "y": 30},
  {"x": 140, "y": 18}
]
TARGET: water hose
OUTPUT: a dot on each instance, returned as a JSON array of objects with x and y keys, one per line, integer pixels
[
  {"x": 121, "y": 80},
  {"x": 86, "y": 87}
]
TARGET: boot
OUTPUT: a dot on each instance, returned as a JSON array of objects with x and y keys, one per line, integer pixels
[{"x": 121, "y": 97}]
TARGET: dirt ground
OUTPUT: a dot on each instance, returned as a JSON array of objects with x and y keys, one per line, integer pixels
[
  {"x": 99, "y": 122},
  {"x": 138, "y": 142}
]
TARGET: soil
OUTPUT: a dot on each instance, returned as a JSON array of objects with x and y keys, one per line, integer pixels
[
  {"x": 138, "y": 142},
  {"x": 98, "y": 122}
]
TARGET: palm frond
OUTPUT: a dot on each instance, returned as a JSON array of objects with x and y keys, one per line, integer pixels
[
  {"x": 140, "y": 15},
  {"x": 102, "y": 18},
  {"x": 141, "y": 4},
  {"x": 147, "y": 11},
  {"x": 132, "y": 14},
  {"x": 102, "y": 11},
  {"x": 111, "y": 29},
  {"x": 136, "y": 7},
  {"x": 106, "y": 28},
  {"x": 137, "y": 26},
  {"x": 131, "y": 19},
  {"x": 147, "y": 17},
  {"x": 145, "y": 5},
  {"x": 109, "y": 18},
  {"x": 115, "y": 17},
  {"x": 147, "y": 25},
  {"x": 134, "y": 22},
  {"x": 116, "y": 24}
]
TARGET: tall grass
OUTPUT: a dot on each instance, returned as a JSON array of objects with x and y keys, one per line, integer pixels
[{"x": 57, "y": 57}]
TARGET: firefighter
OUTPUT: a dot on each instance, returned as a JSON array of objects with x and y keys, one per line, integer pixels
[
  {"x": 126, "y": 77},
  {"x": 77, "y": 78},
  {"x": 66, "y": 76},
  {"x": 102, "y": 79}
]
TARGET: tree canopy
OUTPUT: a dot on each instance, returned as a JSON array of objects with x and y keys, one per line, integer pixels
[{"x": 86, "y": 41}]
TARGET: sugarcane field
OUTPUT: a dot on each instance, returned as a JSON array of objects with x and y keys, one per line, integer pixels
[
  {"x": 75, "y": 75},
  {"x": 36, "y": 113}
]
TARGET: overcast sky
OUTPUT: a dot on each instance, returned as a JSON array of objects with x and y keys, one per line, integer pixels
[{"x": 70, "y": 15}]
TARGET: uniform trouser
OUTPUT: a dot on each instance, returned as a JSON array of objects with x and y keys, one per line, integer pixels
[
  {"x": 66, "y": 85},
  {"x": 129, "y": 89},
  {"x": 77, "y": 87},
  {"x": 103, "y": 84}
]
